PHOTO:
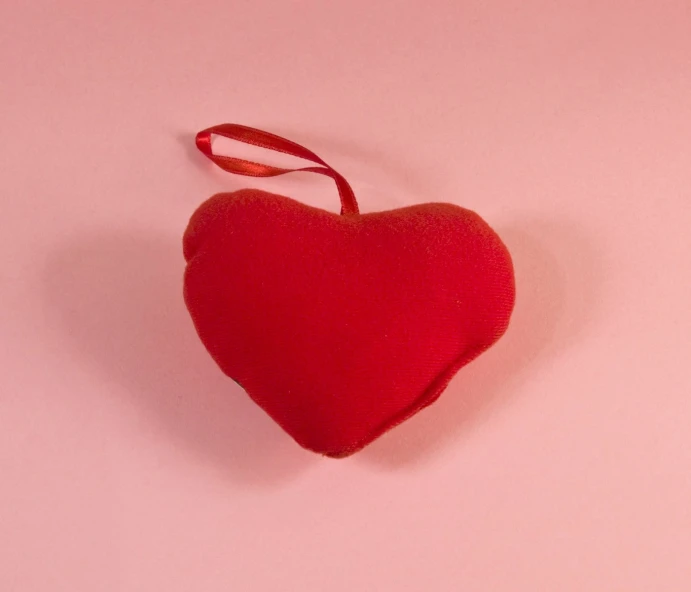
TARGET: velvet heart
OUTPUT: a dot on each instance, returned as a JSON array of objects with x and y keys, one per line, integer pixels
[{"x": 340, "y": 326}]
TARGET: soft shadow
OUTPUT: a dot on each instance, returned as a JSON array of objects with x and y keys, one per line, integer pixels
[
  {"x": 557, "y": 286},
  {"x": 119, "y": 296}
]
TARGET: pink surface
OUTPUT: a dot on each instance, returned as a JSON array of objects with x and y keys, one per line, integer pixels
[{"x": 561, "y": 460}]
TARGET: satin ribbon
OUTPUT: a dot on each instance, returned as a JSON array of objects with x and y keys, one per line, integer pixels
[{"x": 269, "y": 141}]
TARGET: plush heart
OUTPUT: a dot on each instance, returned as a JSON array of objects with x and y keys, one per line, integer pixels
[{"x": 342, "y": 326}]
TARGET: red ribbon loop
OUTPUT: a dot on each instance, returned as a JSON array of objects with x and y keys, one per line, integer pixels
[{"x": 269, "y": 141}]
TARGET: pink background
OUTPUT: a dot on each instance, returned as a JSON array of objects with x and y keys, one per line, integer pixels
[{"x": 561, "y": 460}]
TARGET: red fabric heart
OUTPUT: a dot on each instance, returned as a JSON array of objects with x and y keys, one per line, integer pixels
[{"x": 341, "y": 327}]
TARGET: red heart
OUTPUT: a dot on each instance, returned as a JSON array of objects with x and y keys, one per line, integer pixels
[{"x": 341, "y": 327}]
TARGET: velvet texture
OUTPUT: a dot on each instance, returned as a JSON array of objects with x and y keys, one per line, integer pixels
[{"x": 342, "y": 326}]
